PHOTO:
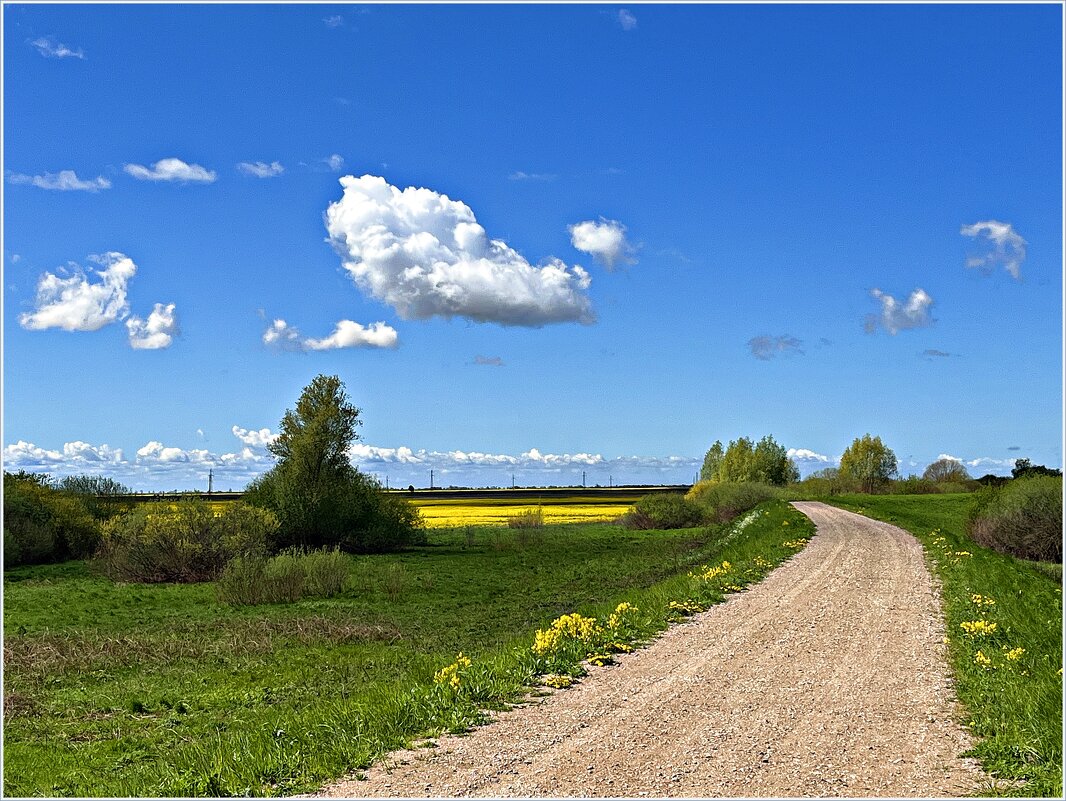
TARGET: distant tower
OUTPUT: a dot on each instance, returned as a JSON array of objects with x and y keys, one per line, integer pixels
[{"x": 210, "y": 481}]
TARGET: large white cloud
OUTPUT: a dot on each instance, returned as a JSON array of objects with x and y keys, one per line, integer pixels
[
  {"x": 157, "y": 332},
  {"x": 79, "y": 303},
  {"x": 605, "y": 241},
  {"x": 899, "y": 316},
  {"x": 346, "y": 334},
  {"x": 172, "y": 169},
  {"x": 1008, "y": 248},
  {"x": 254, "y": 439},
  {"x": 62, "y": 181},
  {"x": 425, "y": 255}
]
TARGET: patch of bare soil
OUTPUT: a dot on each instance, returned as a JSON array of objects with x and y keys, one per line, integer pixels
[{"x": 829, "y": 678}]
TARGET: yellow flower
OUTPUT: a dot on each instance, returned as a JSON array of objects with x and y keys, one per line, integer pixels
[
  {"x": 978, "y": 628},
  {"x": 1014, "y": 654},
  {"x": 982, "y": 660}
]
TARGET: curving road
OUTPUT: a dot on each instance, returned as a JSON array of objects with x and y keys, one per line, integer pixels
[{"x": 827, "y": 679}]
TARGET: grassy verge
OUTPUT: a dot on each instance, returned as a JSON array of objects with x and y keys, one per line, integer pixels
[
  {"x": 133, "y": 690},
  {"x": 1008, "y": 668}
]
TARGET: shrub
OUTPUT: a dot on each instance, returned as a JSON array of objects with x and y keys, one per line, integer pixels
[
  {"x": 663, "y": 511},
  {"x": 722, "y": 501},
  {"x": 290, "y": 576},
  {"x": 182, "y": 542},
  {"x": 530, "y": 518},
  {"x": 42, "y": 524},
  {"x": 1022, "y": 518}
]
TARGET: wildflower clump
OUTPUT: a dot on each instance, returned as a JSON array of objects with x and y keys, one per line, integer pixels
[
  {"x": 982, "y": 601},
  {"x": 978, "y": 628},
  {"x": 622, "y": 625},
  {"x": 599, "y": 660},
  {"x": 1014, "y": 654},
  {"x": 558, "y": 681},
  {"x": 450, "y": 677},
  {"x": 706, "y": 573},
  {"x": 794, "y": 543},
  {"x": 686, "y": 608},
  {"x": 983, "y": 661}
]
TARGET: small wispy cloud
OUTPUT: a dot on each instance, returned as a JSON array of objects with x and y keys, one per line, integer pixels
[
  {"x": 605, "y": 241},
  {"x": 489, "y": 361},
  {"x": 518, "y": 175},
  {"x": 50, "y": 48},
  {"x": 334, "y": 21},
  {"x": 1014, "y": 448},
  {"x": 62, "y": 181},
  {"x": 172, "y": 169},
  {"x": 155, "y": 333},
  {"x": 767, "y": 347},
  {"x": 335, "y": 162},
  {"x": 899, "y": 316},
  {"x": 933, "y": 352},
  {"x": 1008, "y": 248},
  {"x": 260, "y": 169},
  {"x": 347, "y": 334},
  {"x": 626, "y": 20}
]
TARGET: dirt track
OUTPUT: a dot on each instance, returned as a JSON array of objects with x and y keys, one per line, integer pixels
[{"x": 827, "y": 679}]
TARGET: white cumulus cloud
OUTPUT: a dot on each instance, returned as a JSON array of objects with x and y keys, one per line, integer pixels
[
  {"x": 62, "y": 181},
  {"x": 605, "y": 241},
  {"x": 78, "y": 303},
  {"x": 346, "y": 334},
  {"x": 172, "y": 169},
  {"x": 899, "y": 316},
  {"x": 1008, "y": 248},
  {"x": 260, "y": 169},
  {"x": 50, "y": 48},
  {"x": 425, "y": 255},
  {"x": 806, "y": 455},
  {"x": 254, "y": 439},
  {"x": 350, "y": 334},
  {"x": 157, "y": 332}
]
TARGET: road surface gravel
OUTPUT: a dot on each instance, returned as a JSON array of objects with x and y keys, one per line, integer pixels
[{"x": 829, "y": 678}]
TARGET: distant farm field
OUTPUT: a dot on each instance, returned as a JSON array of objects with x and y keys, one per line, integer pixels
[{"x": 447, "y": 513}]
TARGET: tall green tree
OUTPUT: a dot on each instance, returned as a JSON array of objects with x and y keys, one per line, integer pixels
[
  {"x": 319, "y": 497},
  {"x": 745, "y": 460},
  {"x": 869, "y": 461},
  {"x": 712, "y": 461}
]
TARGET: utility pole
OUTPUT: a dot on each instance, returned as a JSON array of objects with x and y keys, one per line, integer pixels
[
  {"x": 431, "y": 479},
  {"x": 582, "y": 478},
  {"x": 386, "y": 481},
  {"x": 210, "y": 481},
  {"x": 512, "y": 480},
  {"x": 610, "y": 481}
]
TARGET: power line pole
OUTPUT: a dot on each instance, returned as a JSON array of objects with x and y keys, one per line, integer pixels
[
  {"x": 431, "y": 479},
  {"x": 210, "y": 481},
  {"x": 582, "y": 478}
]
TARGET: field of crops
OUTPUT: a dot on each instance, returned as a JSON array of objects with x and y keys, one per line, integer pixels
[{"x": 446, "y": 513}]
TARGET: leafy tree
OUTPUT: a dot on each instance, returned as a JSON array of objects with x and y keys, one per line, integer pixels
[
  {"x": 745, "y": 460},
  {"x": 711, "y": 462},
  {"x": 868, "y": 461},
  {"x": 1023, "y": 468},
  {"x": 319, "y": 498},
  {"x": 944, "y": 470}
]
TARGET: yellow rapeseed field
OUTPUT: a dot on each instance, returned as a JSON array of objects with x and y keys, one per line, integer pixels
[{"x": 443, "y": 515}]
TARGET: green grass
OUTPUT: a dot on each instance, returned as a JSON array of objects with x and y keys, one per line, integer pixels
[
  {"x": 134, "y": 690},
  {"x": 1014, "y": 707}
]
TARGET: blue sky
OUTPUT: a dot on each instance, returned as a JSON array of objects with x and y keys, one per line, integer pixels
[{"x": 640, "y": 229}]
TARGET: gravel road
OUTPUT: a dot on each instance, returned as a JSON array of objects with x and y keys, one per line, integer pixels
[{"x": 829, "y": 678}]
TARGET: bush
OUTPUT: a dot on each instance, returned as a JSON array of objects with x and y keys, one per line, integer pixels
[
  {"x": 530, "y": 518},
  {"x": 722, "y": 501},
  {"x": 663, "y": 511},
  {"x": 290, "y": 576},
  {"x": 1022, "y": 518},
  {"x": 42, "y": 524},
  {"x": 352, "y": 513},
  {"x": 182, "y": 542}
]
